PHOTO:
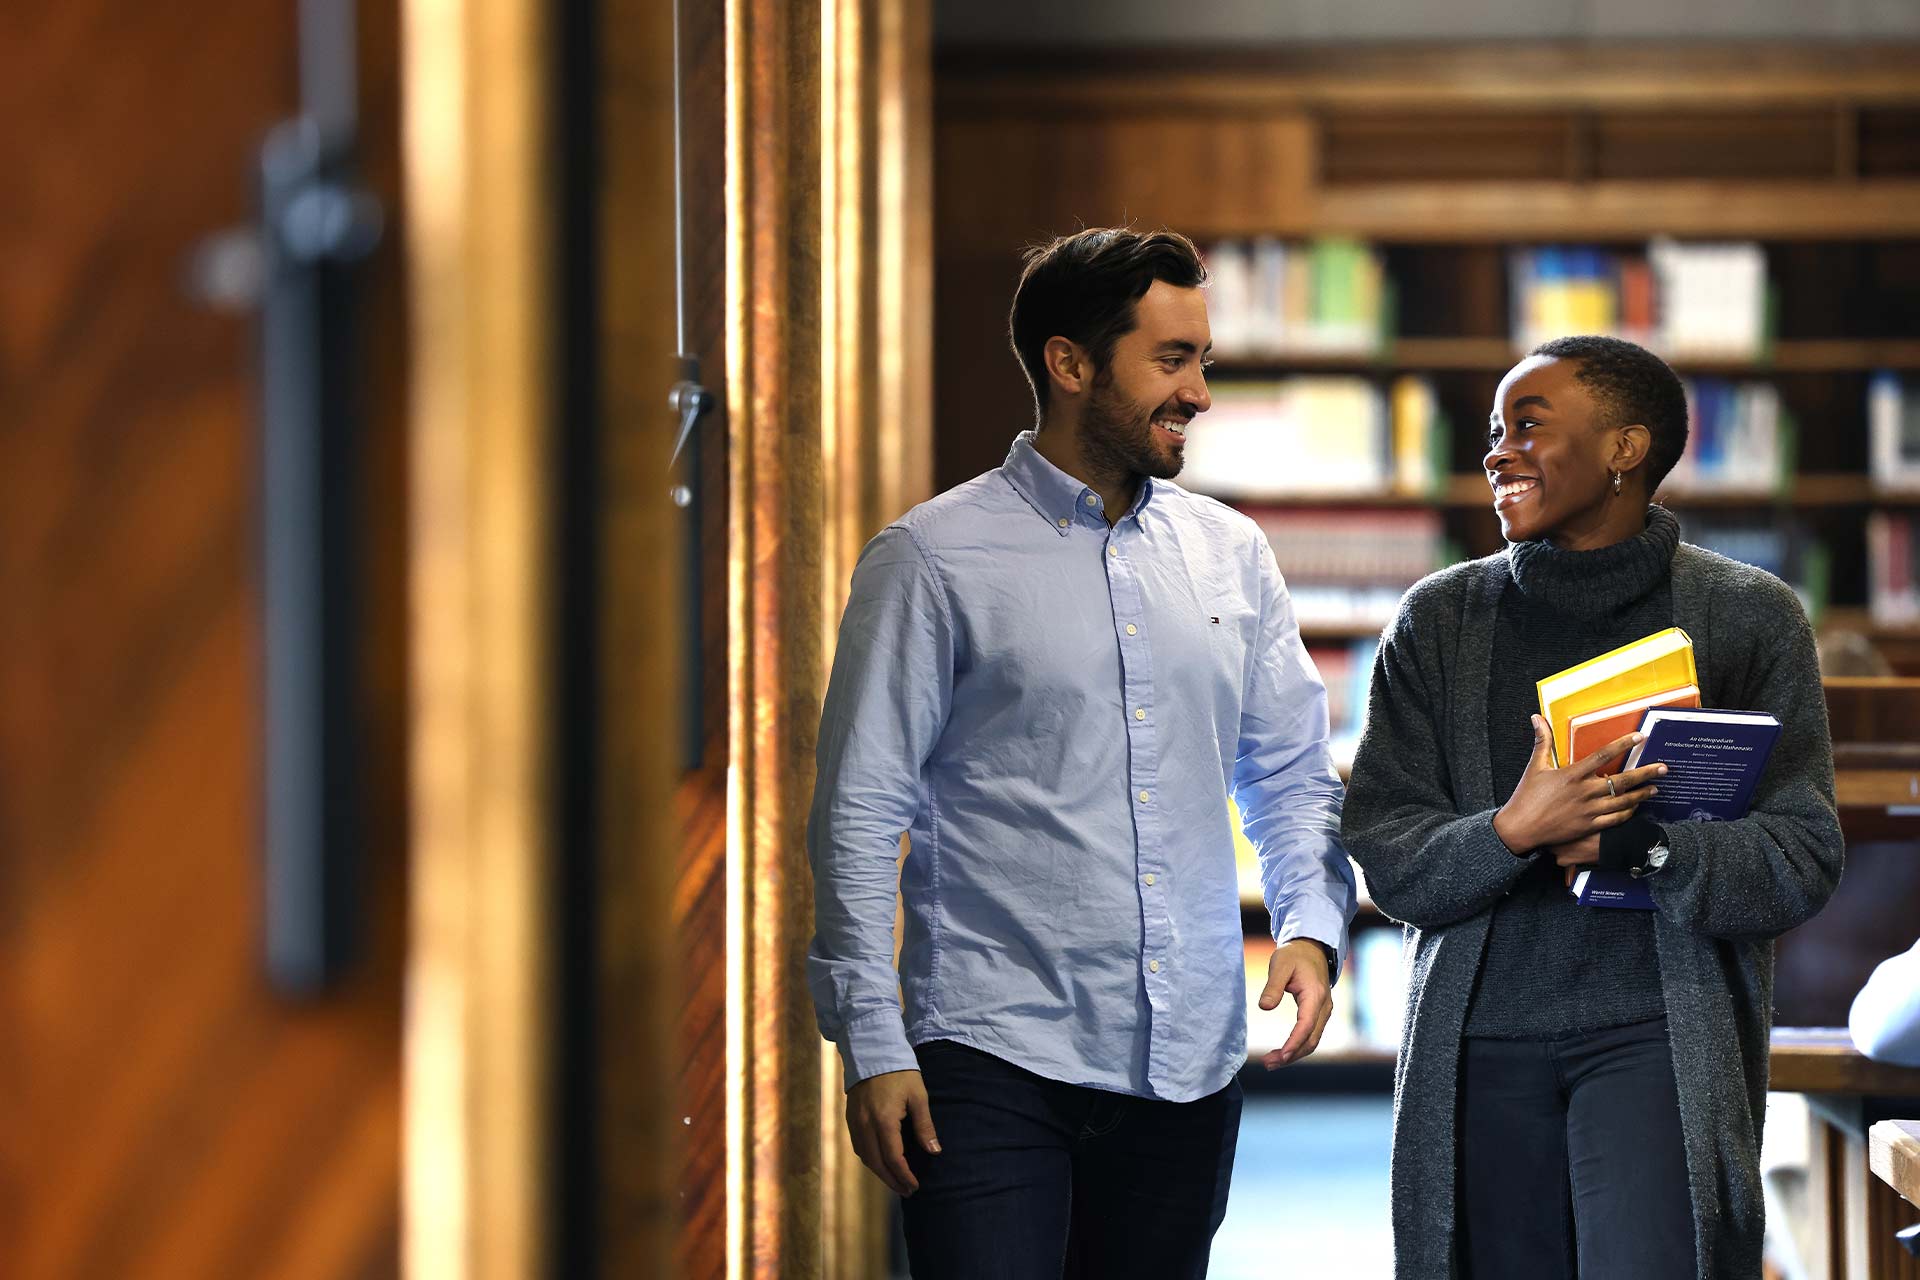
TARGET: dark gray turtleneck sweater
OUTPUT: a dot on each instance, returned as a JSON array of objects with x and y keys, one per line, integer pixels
[{"x": 1552, "y": 966}]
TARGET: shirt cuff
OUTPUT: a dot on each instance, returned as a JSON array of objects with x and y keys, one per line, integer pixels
[
  {"x": 1625, "y": 846},
  {"x": 1324, "y": 928},
  {"x": 875, "y": 1045}
]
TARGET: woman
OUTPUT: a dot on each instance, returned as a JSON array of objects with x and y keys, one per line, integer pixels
[{"x": 1580, "y": 1090}]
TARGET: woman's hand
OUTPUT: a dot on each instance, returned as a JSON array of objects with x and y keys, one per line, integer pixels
[
  {"x": 1564, "y": 806},
  {"x": 1579, "y": 853}
]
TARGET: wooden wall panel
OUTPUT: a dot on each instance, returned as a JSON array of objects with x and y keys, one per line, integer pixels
[{"x": 162, "y": 1112}]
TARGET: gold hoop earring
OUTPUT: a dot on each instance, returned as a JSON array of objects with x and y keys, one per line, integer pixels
[{"x": 1617, "y": 478}]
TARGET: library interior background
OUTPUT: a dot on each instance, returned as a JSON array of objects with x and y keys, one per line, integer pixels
[{"x": 402, "y": 788}]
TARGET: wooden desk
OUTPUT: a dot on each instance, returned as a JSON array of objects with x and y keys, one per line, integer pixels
[{"x": 1854, "y": 1213}]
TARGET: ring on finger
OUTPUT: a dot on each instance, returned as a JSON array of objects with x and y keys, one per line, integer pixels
[{"x": 1610, "y": 790}]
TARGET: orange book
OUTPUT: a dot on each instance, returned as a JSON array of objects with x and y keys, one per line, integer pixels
[
  {"x": 1649, "y": 665},
  {"x": 1596, "y": 729}
]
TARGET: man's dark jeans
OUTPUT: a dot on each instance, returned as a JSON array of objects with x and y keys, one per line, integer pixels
[
  {"x": 1041, "y": 1179},
  {"x": 1571, "y": 1159}
]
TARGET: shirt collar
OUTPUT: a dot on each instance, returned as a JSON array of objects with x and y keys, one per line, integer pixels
[{"x": 1055, "y": 495}]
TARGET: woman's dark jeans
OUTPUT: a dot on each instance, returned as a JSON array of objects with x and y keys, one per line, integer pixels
[
  {"x": 1041, "y": 1179},
  {"x": 1571, "y": 1159}
]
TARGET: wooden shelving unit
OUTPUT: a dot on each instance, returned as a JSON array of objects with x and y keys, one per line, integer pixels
[
  {"x": 1465, "y": 491},
  {"x": 1496, "y": 355}
]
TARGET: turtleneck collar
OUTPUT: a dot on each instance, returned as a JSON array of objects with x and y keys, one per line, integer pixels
[{"x": 1594, "y": 583}]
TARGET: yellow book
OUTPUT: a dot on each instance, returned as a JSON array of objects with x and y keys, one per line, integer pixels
[{"x": 1663, "y": 660}]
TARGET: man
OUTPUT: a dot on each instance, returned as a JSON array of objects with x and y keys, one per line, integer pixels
[{"x": 1049, "y": 676}]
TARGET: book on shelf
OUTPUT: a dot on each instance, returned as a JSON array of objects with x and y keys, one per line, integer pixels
[
  {"x": 1347, "y": 568},
  {"x": 1642, "y": 668},
  {"x": 1318, "y": 436},
  {"x": 1893, "y": 431},
  {"x": 1375, "y": 979},
  {"x": 1269, "y": 297},
  {"x": 1740, "y": 439},
  {"x": 1893, "y": 595},
  {"x": 1785, "y": 549},
  {"x": 1712, "y": 299},
  {"x": 1714, "y": 760},
  {"x": 1699, "y": 300},
  {"x": 1556, "y": 290}
]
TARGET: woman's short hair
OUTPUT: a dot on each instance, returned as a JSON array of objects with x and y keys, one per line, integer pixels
[{"x": 1631, "y": 384}]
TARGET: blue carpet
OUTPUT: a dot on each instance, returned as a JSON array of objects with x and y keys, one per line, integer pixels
[{"x": 1309, "y": 1194}]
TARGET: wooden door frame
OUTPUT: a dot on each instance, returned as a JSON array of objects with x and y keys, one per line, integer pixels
[{"x": 829, "y": 327}]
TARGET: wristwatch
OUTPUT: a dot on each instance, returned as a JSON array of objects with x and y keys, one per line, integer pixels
[{"x": 1655, "y": 860}]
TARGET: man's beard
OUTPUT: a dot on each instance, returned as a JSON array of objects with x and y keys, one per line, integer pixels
[{"x": 1116, "y": 435}]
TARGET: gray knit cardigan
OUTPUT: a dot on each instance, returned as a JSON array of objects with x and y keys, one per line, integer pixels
[{"x": 1419, "y": 821}]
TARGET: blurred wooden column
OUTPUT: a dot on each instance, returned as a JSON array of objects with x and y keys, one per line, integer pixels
[
  {"x": 828, "y": 268},
  {"x": 479, "y": 194},
  {"x": 482, "y": 195}
]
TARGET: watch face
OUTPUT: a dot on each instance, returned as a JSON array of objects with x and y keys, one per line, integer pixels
[{"x": 1657, "y": 857}]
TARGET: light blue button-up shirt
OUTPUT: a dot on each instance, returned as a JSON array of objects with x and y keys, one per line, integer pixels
[{"x": 1055, "y": 712}]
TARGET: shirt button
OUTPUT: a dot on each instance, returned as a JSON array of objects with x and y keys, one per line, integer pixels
[
  {"x": 1062, "y": 522},
  {"x": 1149, "y": 879},
  {"x": 1153, "y": 966},
  {"x": 1091, "y": 500},
  {"x": 1143, "y": 797},
  {"x": 1113, "y": 551},
  {"x": 1139, "y": 713},
  {"x": 1132, "y": 630}
]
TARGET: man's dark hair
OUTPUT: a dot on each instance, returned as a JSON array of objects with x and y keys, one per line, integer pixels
[
  {"x": 1083, "y": 287},
  {"x": 1631, "y": 385}
]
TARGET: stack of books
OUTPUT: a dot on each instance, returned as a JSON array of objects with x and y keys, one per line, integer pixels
[
  {"x": 1274, "y": 299},
  {"x": 1714, "y": 758},
  {"x": 1316, "y": 437}
]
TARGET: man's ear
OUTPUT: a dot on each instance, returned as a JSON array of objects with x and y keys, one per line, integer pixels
[{"x": 1067, "y": 365}]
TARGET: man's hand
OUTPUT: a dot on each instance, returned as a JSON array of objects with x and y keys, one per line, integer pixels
[
  {"x": 876, "y": 1109},
  {"x": 1299, "y": 967},
  {"x": 1555, "y": 807}
]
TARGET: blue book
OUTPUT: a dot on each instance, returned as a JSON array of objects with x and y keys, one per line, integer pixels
[
  {"x": 1596, "y": 888},
  {"x": 1714, "y": 761}
]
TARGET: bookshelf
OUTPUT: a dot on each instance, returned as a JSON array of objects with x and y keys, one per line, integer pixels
[
  {"x": 1456, "y": 177},
  {"x": 1496, "y": 355}
]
